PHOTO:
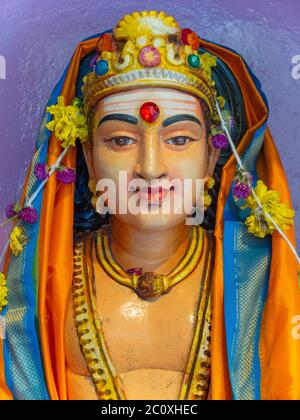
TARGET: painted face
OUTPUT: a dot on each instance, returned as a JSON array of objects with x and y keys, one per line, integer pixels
[{"x": 171, "y": 147}]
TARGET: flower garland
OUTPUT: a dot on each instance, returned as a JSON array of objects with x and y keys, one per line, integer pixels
[
  {"x": 68, "y": 124},
  {"x": 17, "y": 240},
  {"x": 257, "y": 223},
  {"x": 267, "y": 214}
]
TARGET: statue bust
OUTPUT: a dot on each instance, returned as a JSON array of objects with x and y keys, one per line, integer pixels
[{"x": 152, "y": 253}]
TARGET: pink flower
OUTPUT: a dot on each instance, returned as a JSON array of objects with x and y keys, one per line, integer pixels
[
  {"x": 40, "y": 171},
  {"x": 9, "y": 211},
  {"x": 219, "y": 141},
  {"x": 149, "y": 56},
  {"x": 28, "y": 215},
  {"x": 66, "y": 175},
  {"x": 241, "y": 190}
]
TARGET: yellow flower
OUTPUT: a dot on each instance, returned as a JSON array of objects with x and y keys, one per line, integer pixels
[
  {"x": 257, "y": 222},
  {"x": 208, "y": 61},
  {"x": 221, "y": 101},
  {"x": 17, "y": 240},
  {"x": 207, "y": 200},
  {"x": 210, "y": 183},
  {"x": 3, "y": 291},
  {"x": 68, "y": 123}
]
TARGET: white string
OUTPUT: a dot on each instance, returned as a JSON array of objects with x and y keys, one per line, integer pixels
[
  {"x": 31, "y": 199},
  {"x": 52, "y": 169},
  {"x": 240, "y": 164}
]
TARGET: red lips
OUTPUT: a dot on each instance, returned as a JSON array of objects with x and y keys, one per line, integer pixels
[{"x": 153, "y": 194}]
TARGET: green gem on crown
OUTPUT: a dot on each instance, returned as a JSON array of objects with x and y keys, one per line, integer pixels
[{"x": 193, "y": 61}]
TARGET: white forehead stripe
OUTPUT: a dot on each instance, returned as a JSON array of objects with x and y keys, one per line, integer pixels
[
  {"x": 166, "y": 104},
  {"x": 145, "y": 96}
]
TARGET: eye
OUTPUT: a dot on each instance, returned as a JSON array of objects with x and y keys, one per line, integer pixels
[
  {"x": 122, "y": 141},
  {"x": 179, "y": 140}
]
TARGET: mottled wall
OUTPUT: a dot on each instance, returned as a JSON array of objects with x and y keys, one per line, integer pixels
[{"x": 38, "y": 37}]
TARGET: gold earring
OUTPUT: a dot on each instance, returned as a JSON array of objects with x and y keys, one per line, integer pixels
[
  {"x": 208, "y": 185},
  {"x": 99, "y": 207},
  {"x": 92, "y": 187}
]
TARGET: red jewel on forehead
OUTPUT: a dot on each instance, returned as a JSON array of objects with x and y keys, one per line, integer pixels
[{"x": 149, "y": 111}]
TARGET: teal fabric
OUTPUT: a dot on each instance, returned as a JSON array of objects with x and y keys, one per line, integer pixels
[{"x": 246, "y": 274}]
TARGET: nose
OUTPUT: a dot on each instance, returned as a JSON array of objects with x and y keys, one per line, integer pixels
[{"x": 150, "y": 163}]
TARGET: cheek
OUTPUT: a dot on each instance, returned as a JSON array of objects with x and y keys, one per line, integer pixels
[
  {"x": 189, "y": 164},
  {"x": 108, "y": 164}
]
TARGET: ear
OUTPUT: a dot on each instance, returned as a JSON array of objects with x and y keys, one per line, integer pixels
[
  {"x": 212, "y": 158},
  {"x": 87, "y": 148}
]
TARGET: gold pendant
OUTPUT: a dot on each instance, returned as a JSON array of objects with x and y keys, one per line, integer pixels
[{"x": 150, "y": 286}]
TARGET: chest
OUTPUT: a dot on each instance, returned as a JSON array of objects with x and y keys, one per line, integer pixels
[
  {"x": 163, "y": 342},
  {"x": 141, "y": 334}
]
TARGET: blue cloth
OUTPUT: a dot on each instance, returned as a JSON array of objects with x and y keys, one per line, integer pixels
[{"x": 247, "y": 262}]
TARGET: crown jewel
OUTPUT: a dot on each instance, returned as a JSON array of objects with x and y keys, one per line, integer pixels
[{"x": 150, "y": 49}]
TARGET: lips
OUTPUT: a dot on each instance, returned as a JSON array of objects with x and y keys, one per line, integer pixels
[{"x": 153, "y": 194}]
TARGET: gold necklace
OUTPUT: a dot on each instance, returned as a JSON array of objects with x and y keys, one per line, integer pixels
[
  {"x": 108, "y": 384},
  {"x": 150, "y": 285}
]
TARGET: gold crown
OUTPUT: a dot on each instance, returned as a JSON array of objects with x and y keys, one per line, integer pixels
[{"x": 150, "y": 49}]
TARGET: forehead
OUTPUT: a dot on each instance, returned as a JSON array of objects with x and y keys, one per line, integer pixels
[{"x": 170, "y": 101}]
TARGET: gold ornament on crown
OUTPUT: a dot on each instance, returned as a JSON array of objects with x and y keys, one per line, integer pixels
[{"x": 150, "y": 49}]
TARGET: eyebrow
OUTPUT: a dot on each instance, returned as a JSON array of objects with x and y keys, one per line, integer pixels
[
  {"x": 119, "y": 117},
  {"x": 133, "y": 120},
  {"x": 180, "y": 117}
]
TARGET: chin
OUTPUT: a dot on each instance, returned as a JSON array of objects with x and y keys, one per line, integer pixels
[{"x": 152, "y": 221}]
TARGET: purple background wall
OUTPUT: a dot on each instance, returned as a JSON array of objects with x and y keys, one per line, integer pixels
[{"x": 37, "y": 38}]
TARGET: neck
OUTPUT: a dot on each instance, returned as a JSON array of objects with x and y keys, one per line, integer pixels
[{"x": 147, "y": 248}]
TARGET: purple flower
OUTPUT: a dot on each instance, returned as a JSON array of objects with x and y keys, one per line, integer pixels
[
  {"x": 9, "y": 211},
  {"x": 66, "y": 176},
  {"x": 28, "y": 215},
  {"x": 241, "y": 190},
  {"x": 219, "y": 141},
  {"x": 40, "y": 171}
]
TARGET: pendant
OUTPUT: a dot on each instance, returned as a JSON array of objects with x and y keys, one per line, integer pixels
[{"x": 150, "y": 286}]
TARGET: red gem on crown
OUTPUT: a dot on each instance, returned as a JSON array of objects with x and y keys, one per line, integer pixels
[
  {"x": 189, "y": 37},
  {"x": 106, "y": 42},
  {"x": 184, "y": 35},
  {"x": 149, "y": 111}
]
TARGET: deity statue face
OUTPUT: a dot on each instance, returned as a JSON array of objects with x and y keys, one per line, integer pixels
[{"x": 173, "y": 147}]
